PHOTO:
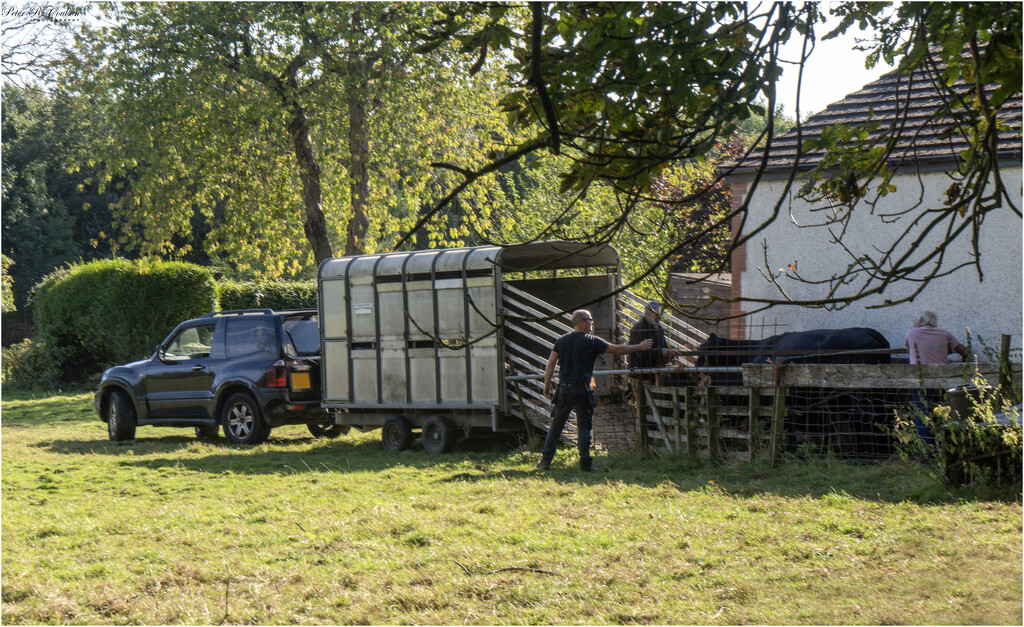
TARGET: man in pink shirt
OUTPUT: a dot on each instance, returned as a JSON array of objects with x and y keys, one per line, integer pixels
[{"x": 930, "y": 345}]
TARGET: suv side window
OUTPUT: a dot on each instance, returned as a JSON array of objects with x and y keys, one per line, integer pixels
[
  {"x": 246, "y": 337},
  {"x": 304, "y": 334},
  {"x": 191, "y": 343}
]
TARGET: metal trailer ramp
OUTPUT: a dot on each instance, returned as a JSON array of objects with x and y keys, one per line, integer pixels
[{"x": 527, "y": 346}]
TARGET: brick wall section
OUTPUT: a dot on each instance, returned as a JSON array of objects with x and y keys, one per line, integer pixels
[{"x": 738, "y": 262}]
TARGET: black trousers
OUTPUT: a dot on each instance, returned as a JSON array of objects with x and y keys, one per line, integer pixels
[{"x": 568, "y": 400}]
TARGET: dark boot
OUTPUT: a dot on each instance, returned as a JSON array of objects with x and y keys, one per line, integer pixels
[
  {"x": 587, "y": 465},
  {"x": 544, "y": 463}
]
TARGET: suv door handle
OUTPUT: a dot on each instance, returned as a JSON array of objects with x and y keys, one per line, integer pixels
[{"x": 198, "y": 367}]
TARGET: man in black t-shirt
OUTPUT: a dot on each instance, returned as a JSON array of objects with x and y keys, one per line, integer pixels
[{"x": 574, "y": 354}]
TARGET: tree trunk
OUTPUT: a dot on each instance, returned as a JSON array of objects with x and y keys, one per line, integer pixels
[
  {"x": 359, "y": 151},
  {"x": 314, "y": 223}
]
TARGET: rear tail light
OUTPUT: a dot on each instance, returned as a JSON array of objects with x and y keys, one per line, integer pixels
[{"x": 277, "y": 375}]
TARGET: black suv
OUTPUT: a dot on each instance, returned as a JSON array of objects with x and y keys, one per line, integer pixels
[{"x": 246, "y": 370}]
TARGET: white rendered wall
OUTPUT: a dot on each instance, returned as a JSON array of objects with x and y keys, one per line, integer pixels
[{"x": 989, "y": 308}]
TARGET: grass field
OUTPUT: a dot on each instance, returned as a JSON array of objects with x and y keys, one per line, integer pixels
[{"x": 171, "y": 530}]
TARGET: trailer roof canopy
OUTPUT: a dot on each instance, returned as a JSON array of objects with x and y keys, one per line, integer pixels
[
  {"x": 552, "y": 255},
  {"x": 556, "y": 255}
]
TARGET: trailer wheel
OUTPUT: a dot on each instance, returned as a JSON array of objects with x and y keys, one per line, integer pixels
[
  {"x": 396, "y": 434},
  {"x": 438, "y": 434}
]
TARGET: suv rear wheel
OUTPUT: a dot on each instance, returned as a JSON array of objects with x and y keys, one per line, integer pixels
[{"x": 242, "y": 421}]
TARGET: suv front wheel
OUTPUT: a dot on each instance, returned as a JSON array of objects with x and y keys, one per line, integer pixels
[
  {"x": 242, "y": 421},
  {"x": 120, "y": 417}
]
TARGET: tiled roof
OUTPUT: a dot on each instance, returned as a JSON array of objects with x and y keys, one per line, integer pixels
[{"x": 910, "y": 100}]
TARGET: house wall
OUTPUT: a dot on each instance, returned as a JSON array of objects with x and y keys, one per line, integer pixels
[{"x": 988, "y": 307}]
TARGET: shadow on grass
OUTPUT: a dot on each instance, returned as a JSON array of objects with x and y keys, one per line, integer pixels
[
  {"x": 32, "y": 413},
  {"x": 486, "y": 459},
  {"x": 480, "y": 459},
  {"x": 284, "y": 454}
]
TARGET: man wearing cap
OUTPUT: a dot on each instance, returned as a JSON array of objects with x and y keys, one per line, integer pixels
[
  {"x": 649, "y": 328},
  {"x": 575, "y": 353}
]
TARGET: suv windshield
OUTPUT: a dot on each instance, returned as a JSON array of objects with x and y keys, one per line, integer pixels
[
  {"x": 304, "y": 334},
  {"x": 193, "y": 342}
]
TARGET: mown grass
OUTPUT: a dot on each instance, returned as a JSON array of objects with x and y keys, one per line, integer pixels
[{"x": 171, "y": 530}]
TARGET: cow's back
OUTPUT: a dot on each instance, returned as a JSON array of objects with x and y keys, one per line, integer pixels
[{"x": 839, "y": 341}]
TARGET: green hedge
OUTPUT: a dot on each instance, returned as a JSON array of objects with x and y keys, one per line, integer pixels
[
  {"x": 267, "y": 294},
  {"x": 113, "y": 311},
  {"x": 92, "y": 315}
]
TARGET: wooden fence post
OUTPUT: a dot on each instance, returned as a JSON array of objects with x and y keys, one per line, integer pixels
[
  {"x": 675, "y": 418},
  {"x": 689, "y": 397},
  {"x": 754, "y": 446},
  {"x": 714, "y": 426},
  {"x": 641, "y": 411},
  {"x": 778, "y": 424}
]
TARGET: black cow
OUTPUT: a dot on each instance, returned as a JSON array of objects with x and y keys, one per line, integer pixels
[
  {"x": 822, "y": 346},
  {"x": 824, "y": 418}
]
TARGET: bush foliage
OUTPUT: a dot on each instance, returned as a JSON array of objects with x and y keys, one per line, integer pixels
[
  {"x": 267, "y": 294},
  {"x": 977, "y": 443},
  {"x": 105, "y": 312},
  {"x": 8, "y": 289},
  {"x": 28, "y": 365}
]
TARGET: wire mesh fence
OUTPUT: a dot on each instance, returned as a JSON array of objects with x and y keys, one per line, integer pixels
[{"x": 846, "y": 423}]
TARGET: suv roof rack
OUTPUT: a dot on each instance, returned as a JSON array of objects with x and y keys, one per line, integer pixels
[
  {"x": 265, "y": 312},
  {"x": 239, "y": 312}
]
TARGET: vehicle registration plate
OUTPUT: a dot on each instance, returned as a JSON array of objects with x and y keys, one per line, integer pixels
[{"x": 300, "y": 381}]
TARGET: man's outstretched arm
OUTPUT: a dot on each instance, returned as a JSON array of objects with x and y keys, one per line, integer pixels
[{"x": 626, "y": 349}]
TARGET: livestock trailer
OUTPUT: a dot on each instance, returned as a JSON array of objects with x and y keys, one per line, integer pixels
[{"x": 437, "y": 341}]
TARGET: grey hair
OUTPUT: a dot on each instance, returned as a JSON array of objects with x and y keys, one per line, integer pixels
[{"x": 927, "y": 319}]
